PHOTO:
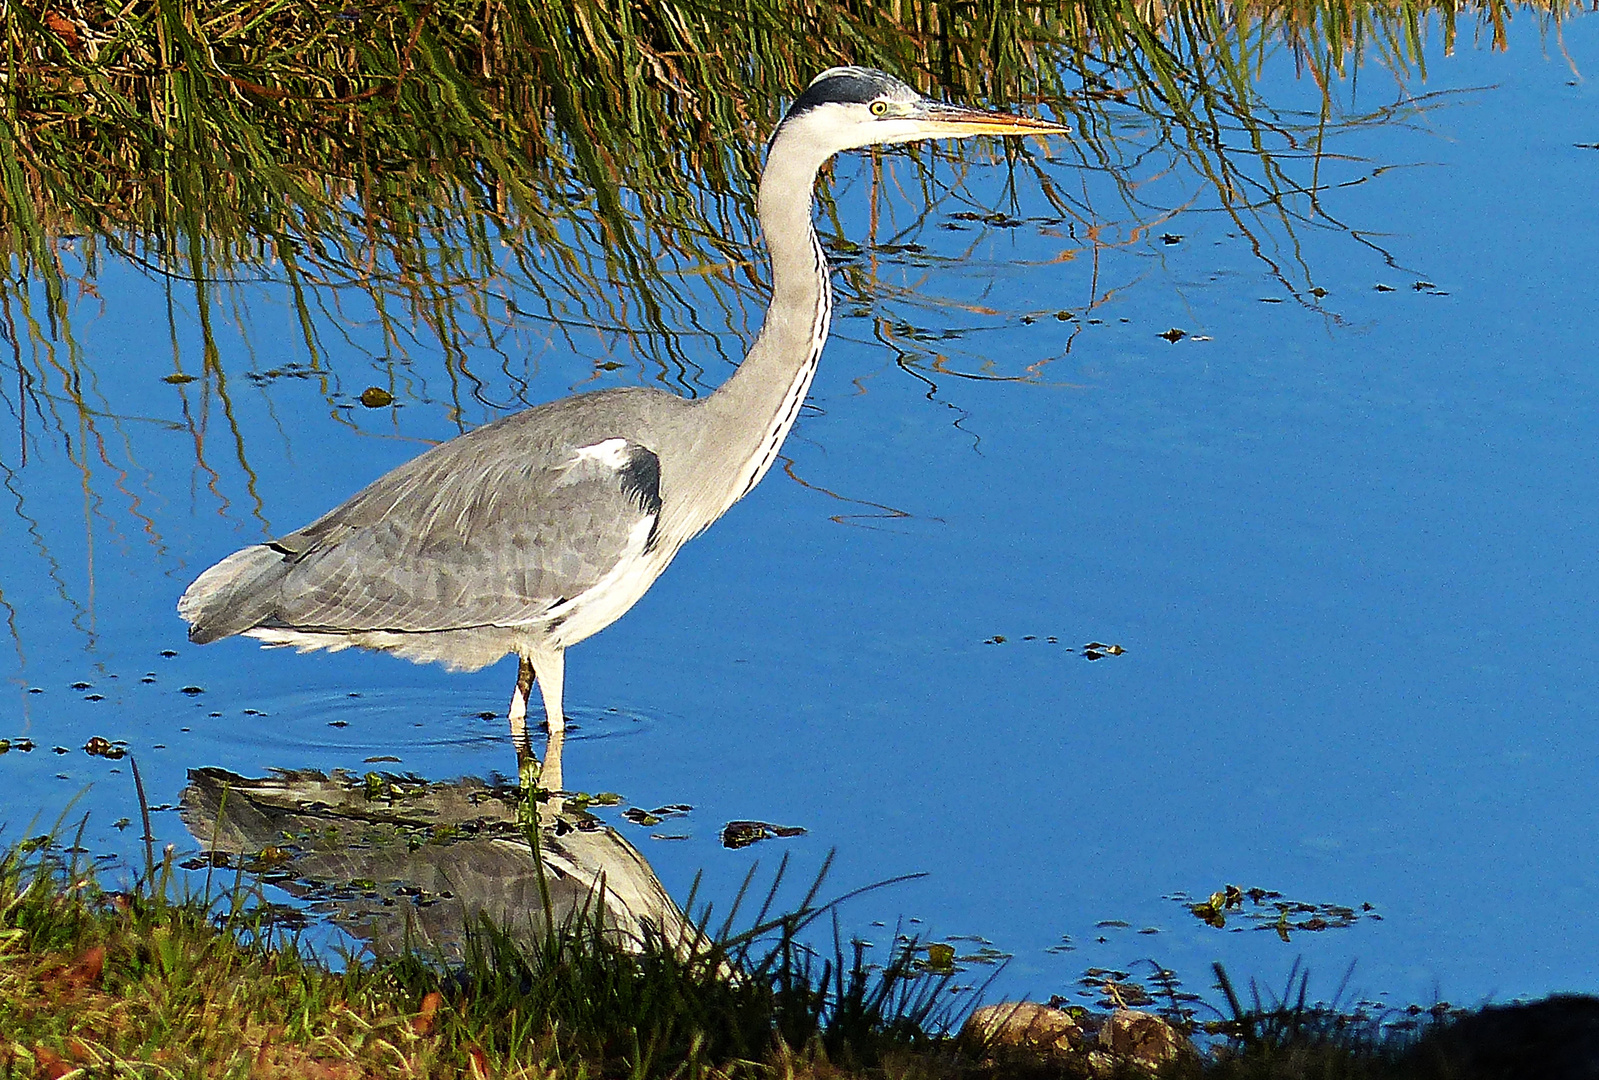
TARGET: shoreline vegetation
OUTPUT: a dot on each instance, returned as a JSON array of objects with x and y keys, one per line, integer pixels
[{"x": 154, "y": 981}]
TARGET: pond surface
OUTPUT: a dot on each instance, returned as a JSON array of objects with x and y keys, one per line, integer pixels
[{"x": 1343, "y": 545}]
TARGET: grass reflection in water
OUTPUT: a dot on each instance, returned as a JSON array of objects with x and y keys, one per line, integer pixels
[{"x": 475, "y": 181}]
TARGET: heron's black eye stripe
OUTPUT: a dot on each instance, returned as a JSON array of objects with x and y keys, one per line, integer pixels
[{"x": 845, "y": 86}]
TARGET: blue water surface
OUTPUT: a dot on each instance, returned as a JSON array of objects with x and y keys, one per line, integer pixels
[{"x": 1346, "y": 543}]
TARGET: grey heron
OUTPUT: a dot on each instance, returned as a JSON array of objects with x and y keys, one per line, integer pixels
[{"x": 531, "y": 533}]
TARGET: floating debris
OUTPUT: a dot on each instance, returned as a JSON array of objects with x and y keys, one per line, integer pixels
[
  {"x": 1213, "y": 912},
  {"x": 1266, "y": 909},
  {"x": 177, "y": 378},
  {"x": 287, "y": 371},
  {"x": 1171, "y": 238},
  {"x": 1003, "y": 221},
  {"x": 1174, "y": 335},
  {"x": 1116, "y": 989},
  {"x": 102, "y": 747},
  {"x": 639, "y": 816},
  {"x": 215, "y": 859},
  {"x": 192, "y": 691},
  {"x": 741, "y": 834},
  {"x": 900, "y": 249},
  {"x": 375, "y": 397},
  {"x": 1094, "y": 650}
]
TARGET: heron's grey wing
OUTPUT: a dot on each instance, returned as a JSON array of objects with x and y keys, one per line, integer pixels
[{"x": 467, "y": 535}]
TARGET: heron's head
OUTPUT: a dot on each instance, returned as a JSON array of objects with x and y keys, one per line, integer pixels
[{"x": 846, "y": 108}]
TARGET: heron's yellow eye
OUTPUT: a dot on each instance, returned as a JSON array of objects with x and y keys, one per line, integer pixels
[{"x": 879, "y": 108}]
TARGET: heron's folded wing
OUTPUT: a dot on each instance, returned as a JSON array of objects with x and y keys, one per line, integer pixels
[{"x": 451, "y": 541}]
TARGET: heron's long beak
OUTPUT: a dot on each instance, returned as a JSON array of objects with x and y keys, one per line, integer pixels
[{"x": 948, "y": 121}]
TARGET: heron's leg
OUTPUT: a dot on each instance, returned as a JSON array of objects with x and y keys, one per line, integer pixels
[
  {"x": 551, "y": 669},
  {"x": 519, "y": 696}
]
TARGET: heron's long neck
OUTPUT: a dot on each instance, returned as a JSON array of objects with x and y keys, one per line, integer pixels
[{"x": 750, "y": 415}]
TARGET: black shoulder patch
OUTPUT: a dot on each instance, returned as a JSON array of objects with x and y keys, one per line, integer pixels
[
  {"x": 850, "y": 86},
  {"x": 641, "y": 478}
]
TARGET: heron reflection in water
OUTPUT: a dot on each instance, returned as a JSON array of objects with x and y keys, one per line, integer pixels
[
  {"x": 413, "y": 866},
  {"x": 536, "y": 531}
]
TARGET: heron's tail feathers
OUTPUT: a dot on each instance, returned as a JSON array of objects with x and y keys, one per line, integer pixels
[{"x": 235, "y": 595}]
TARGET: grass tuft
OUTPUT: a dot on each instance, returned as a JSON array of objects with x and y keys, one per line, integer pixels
[{"x": 153, "y": 979}]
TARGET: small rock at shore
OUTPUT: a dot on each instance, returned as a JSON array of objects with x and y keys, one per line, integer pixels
[
  {"x": 1141, "y": 1038},
  {"x": 1023, "y": 1026},
  {"x": 1055, "y": 1037}
]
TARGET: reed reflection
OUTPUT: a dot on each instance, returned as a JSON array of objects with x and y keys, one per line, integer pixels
[{"x": 459, "y": 202}]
